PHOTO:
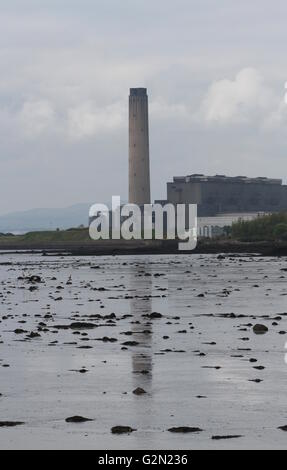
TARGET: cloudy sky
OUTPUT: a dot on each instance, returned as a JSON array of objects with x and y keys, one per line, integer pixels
[{"x": 215, "y": 72}]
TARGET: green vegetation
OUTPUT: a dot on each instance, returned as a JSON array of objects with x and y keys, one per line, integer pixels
[
  {"x": 70, "y": 235},
  {"x": 268, "y": 227},
  {"x": 264, "y": 228}
]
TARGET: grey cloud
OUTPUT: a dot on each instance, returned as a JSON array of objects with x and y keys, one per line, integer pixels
[{"x": 65, "y": 72}]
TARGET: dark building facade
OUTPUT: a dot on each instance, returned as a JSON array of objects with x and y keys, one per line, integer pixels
[{"x": 221, "y": 194}]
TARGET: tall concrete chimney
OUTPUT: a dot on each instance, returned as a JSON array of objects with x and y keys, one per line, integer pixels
[{"x": 139, "y": 174}]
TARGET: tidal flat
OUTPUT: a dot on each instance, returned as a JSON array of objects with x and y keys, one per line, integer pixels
[{"x": 143, "y": 352}]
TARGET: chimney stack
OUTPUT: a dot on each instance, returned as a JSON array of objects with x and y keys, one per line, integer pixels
[{"x": 139, "y": 171}]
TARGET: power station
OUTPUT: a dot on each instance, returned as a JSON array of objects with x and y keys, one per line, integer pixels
[
  {"x": 215, "y": 196},
  {"x": 222, "y": 194}
]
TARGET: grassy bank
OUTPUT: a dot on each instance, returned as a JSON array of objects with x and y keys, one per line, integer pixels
[
  {"x": 265, "y": 235},
  {"x": 268, "y": 228},
  {"x": 71, "y": 235}
]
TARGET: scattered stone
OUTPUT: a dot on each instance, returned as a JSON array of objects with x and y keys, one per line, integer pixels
[
  {"x": 122, "y": 430},
  {"x": 139, "y": 391},
  {"x": 184, "y": 429},
  {"x": 34, "y": 279},
  {"x": 130, "y": 343},
  {"x": 105, "y": 339},
  {"x": 259, "y": 329},
  {"x": 154, "y": 315},
  {"x": 9, "y": 424},
  {"x": 77, "y": 419},
  {"x": 76, "y": 326},
  {"x": 33, "y": 335},
  {"x": 82, "y": 325}
]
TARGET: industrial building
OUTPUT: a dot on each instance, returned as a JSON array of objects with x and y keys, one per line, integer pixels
[
  {"x": 214, "y": 195},
  {"x": 221, "y": 200},
  {"x": 220, "y": 194}
]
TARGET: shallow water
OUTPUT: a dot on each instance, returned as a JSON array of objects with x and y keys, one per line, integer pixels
[{"x": 43, "y": 386}]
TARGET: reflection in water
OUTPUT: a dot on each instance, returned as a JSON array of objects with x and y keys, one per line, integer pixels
[{"x": 141, "y": 304}]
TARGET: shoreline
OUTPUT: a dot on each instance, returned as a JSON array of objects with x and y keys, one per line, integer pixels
[{"x": 143, "y": 247}]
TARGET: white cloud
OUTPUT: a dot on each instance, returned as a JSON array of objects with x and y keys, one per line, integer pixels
[
  {"x": 277, "y": 118},
  {"x": 65, "y": 72},
  {"x": 240, "y": 100},
  {"x": 88, "y": 120},
  {"x": 36, "y": 117},
  {"x": 160, "y": 109}
]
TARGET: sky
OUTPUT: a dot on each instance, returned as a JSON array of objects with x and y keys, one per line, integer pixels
[{"x": 215, "y": 72}]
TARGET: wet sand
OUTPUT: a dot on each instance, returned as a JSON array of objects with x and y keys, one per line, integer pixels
[{"x": 79, "y": 335}]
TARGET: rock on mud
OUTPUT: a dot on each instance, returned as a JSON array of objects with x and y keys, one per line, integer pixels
[
  {"x": 122, "y": 430},
  {"x": 139, "y": 391},
  {"x": 9, "y": 424},
  {"x": 259, "y": 329},
  {"x": 184, "y": 429},
  {"x": 77, "y": 419}
]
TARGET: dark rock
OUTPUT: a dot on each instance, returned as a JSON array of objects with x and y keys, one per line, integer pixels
[
  {"x": 9, "y": 424},
  {"x": 82, "y": 325},
  {"x": 184, "y": 429},
  {"x": 34, "y": 279},
  {"x": 139, "y": 391},
  {"x": 154, "y": 315},
  {"x": 34, "y": 335},
  {"x": 122, "y": 430},
  {"x": 77, "y": 419},
  {"x": 259, "y": 329},
  {"x": 130, "y": 343},
  {"x": 105, "y": 339}
]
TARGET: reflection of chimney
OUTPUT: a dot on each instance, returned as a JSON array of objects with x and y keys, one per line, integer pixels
[
  {"x": 139, "y": 173},
  {"x": 141, "y": 304}
]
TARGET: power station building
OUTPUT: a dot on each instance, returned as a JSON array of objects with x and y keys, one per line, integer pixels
[
  {"x": 220, "y": 199},
  {"x": 214, "y": 195},
  {"x": 221, "y": 194}
]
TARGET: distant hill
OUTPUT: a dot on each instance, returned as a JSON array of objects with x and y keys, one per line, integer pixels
[{"x": 45, "y": 219}]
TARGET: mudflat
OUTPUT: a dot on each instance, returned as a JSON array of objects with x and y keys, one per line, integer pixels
[{"x": 152, "y": 352}]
